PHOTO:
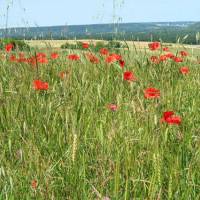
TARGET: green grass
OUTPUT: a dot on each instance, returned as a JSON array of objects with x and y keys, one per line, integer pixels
[{"x": 67, "y": 139}]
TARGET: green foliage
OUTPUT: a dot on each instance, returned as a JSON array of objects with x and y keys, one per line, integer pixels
[
  {"x": 18, "y": 44},
  {"x": 113, "y": 44},
  {"x": 98, "y": 46},
  {"x": 67, "y": 45}
]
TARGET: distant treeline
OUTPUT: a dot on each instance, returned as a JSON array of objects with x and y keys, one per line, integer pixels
[{"x": 184, "y": 32}]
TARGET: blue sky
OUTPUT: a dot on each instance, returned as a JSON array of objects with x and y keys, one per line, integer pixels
[{"x": 62, "y": 12}]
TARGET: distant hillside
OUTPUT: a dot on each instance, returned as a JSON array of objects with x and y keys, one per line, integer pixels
[
  {"x": 166, "y": 31},
  {"x": 195, "y": 26}
]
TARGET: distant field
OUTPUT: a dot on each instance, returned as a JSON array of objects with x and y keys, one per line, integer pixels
[
  {"x": 133, "y": 45},
  {"x": 58, "y": 43}
]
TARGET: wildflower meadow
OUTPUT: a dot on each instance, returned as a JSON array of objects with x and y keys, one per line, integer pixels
[{"x": 109, "y": 125}]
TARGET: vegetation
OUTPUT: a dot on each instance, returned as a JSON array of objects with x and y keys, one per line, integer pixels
[
  {"x": 17, "y": 44},
  {"x": 113, "y": 44},
  {"x": 165, "y": 31},
  {"x": 89, "y": 132}
]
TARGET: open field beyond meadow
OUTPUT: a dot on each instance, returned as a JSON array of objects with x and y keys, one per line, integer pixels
[
  {"x": 100, "y": 125},
  {"x": 131, "y": 44}
]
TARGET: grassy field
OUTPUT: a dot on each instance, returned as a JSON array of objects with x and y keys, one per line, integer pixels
[{"x": 92, "y": 134}]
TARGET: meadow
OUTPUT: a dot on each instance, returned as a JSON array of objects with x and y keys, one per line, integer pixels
[{"x": 107, "y": 125}]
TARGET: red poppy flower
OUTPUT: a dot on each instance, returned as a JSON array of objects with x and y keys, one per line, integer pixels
[
  {"x": 40, "y": 85},
  {"x": 104, "y": 51},
  {"x": 177, "y": 59},
  {"x": 41, "y": 55},
  {"x": 184, "y": 70},
  {"x": 64, "y": 74},
  {"x": 54, "y": 56},
  {"x": 129, "y": 76},
  {"x": 155, "y": 59},
  {"x": 116, "y": 56},
  {"x": 73, "y": 57},
  {"x": 163, "y": 58},
  {"x": 170, "y": 118},
  {"x": 154, "y": 46},
  {"x": 165, "y": 49},
  {"x": 122, "y": 63},
  {"x": 9, "y": 47},
  {"x": 34, "y": 184},
  {"x": 85, "y": 45},
  {"x": 32, "y": 60},
  {"x": 22, "y": 60},
  {"x": 110, "y": 59},
  {"x": 152, "y": 93},
  {"x": 170, "y": 55},
  {"x": 113, "y": 58},
  {"x": 13, "y": 58},
  {"x": 92, "y": 58},
  {"x": 184, "y": 53},
  {"x": 112, "y": 107},
  {"x": 167, "y": 114},
  {"x": 42, "y": 60}
]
